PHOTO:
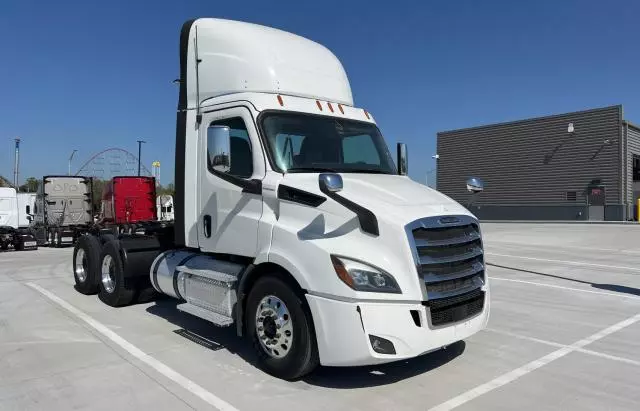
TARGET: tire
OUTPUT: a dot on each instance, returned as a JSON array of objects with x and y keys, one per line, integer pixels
[
  {"x": 114, "y": 291},
  {"x": 4, "y": 246},
  {"x": 86, "y": 264},
  {"x": 301, "y": 352}
]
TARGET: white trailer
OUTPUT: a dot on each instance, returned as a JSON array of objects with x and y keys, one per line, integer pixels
[{"x": 292, "y": 221}]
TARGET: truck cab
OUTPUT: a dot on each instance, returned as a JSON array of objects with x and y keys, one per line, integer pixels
[
  {"x": 12, "y": 232},
  {"x": 63, "y": 209},
  {"x": 292, "y": 221}
]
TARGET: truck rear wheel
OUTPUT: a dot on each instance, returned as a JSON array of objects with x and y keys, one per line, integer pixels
[
  {"x": 281, "y": 330},
  {"x": 86, "y": 264},
  {"x": 114, "y": 291}
]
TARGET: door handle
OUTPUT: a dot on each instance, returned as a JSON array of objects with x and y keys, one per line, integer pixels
[{"x": 207, "y": 226}]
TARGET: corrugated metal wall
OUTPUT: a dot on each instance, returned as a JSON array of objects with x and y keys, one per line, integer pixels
[
  {"x": 535, "y": 161},
  {"x": 632, "y": 138}
]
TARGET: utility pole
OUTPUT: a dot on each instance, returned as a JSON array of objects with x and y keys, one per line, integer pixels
[
  {"x": 139, "y": 153},
  {"x": 16, "y": 164},
  {"x": 71, "y": 158}
]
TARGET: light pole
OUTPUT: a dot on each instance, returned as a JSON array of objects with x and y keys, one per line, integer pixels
[
  {"x": 436, "y": 157},
  {"x": 16, "y": 164},
  {"x": 71, "y": 158},
  {"x": 139, "y": 153}
]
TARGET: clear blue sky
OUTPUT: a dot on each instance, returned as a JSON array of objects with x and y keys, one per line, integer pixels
[{"x": 88, "y": 75}]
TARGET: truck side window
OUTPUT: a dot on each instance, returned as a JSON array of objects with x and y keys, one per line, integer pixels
[
  {"x": 360, "y": 149},
  {"x": 240, "y": 148}
]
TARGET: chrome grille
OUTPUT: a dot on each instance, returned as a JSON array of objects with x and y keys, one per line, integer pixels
[{"x": 449, "y": 257}]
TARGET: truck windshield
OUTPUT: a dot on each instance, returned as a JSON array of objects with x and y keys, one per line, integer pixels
[{"x": 308, "y": 143}]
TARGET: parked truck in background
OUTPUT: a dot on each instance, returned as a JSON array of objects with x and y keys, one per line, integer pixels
[
  {"x": 292, "y": 222},
  {"x": 11, "y": 232},
  {"x": 26, "y": 206},
  {"x": 63, "y": 209},
  {"x": 128, "y": 204},
  {"x": 164, "y": 206}
]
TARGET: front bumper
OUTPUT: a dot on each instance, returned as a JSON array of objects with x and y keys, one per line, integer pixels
[{"x": 343, "y": 330}]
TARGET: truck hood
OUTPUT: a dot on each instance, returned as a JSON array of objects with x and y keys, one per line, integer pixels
[{"x": 394, "y": 198}]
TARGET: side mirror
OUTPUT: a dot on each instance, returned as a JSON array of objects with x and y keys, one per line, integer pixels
[
  {"x": 29, "y": 218},
  {"x": 219, "y": 148},
  {"x": 330, "y": 182},
  {"x": 28, "y": 208},
  {"x": 403, "y": 161},
  {"x": 475, "y": 185}
]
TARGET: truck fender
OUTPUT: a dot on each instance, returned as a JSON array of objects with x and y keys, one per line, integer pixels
[{"x": 249, "y": 275}]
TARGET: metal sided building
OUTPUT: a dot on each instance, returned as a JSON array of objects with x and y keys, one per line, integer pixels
[{"x": 583, "y": 165}]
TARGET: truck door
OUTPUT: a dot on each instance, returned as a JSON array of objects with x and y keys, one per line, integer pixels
[{"x": 230, "y": 198}]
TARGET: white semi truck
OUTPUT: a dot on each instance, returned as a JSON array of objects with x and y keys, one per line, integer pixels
[
  {"x": 292, "y": 222},
  {"x": 164, "y": 207},
  {"x": 26, "y": 208},
  {"x": 13, "y": 230}
]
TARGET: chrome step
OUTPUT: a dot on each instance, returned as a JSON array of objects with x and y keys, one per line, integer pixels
[{"x": 218, "y": 319}]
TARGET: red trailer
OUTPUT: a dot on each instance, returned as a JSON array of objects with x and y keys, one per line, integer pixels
[{"x": 128, "y": 201}]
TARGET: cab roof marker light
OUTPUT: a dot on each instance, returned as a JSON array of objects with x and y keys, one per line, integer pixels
[
  {"x": 366, "y": 114},
  {"x": 341, "y": 109},
  {"x": 280, "y": 100},
  {"x": 319, "y": 105},
  {"x": 330, "y": 107}
]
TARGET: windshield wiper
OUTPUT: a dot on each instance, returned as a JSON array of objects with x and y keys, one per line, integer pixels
[{"x": 302, "y": 169}]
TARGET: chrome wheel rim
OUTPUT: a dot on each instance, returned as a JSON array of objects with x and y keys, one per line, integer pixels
[
  {"x": 81, "y": 266},
  {"x": 274, "y": 326},
  {"x": 108, "y": 279}
]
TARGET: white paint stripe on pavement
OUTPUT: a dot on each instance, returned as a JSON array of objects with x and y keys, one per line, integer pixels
[
  {"x": 619, "y": 295},
  {"x": 566, "y": 262},
  {"x": 499, "y": 244},
  {"x": 163, "y": 369},
  {"x": 532, "y": 366},
  {"x": 557, "y": 345}
]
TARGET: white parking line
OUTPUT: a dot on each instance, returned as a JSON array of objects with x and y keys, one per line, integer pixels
[
  {"x": 619, "y": 295},
  {"x": 578, "y": 263},
  {"x": 163, "y": 369},
  {"x": 555, "y": 247},
  {"x": 558, "y": 345},
  {"x": 532, "y": 366}
]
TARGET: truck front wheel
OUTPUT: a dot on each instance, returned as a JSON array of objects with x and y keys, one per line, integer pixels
[
  {"x": 281, "y": 329},
  {"x": 114, "y": 291},
  {"x": 86, "y": 264}
]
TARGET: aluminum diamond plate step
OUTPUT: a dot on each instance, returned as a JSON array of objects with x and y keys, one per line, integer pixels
[{"x": 217, "y": 319}]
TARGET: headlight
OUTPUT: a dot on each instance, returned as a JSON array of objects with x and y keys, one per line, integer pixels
[{"x": 363, "y": 277}]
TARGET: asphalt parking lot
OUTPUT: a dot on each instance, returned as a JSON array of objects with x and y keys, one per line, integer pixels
[{"x": 564, "y": 334}]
